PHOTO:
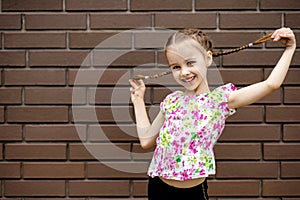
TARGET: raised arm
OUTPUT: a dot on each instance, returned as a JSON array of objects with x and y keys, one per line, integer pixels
[
  {"x": 147, "y": 132},
  {"x": 257, "y": 91}
]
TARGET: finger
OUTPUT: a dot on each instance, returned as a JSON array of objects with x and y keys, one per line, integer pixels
[
  {"x": 140, "y": 82},
  {"x": 133, "y": 83}
]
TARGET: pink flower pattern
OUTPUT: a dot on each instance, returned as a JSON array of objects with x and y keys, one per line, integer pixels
[{"x": 191, "y": 129}]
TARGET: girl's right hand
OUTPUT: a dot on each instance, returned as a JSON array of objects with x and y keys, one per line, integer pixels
[{"x": 137, "y": 90}]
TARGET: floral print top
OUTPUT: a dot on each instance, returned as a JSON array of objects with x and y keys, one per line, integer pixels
[{"x": 192, "y": 126}]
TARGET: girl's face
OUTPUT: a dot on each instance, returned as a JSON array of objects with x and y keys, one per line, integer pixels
[{"x": 189, "y": 64}]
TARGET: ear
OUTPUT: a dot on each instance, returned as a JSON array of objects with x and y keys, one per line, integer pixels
[{"x": 209, "y": 58}]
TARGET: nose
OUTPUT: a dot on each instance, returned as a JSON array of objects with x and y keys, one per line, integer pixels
[{"x": 185, "y": 71}]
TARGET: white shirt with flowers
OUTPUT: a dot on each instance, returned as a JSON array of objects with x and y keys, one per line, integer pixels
[{"x": 192, "y": 126}]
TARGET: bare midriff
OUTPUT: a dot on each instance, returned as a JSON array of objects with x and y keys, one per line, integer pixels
[{"x": 183, "y": 184}]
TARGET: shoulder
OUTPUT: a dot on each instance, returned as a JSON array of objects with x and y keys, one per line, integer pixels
[
  {"x": 173, "y": 95},
  {"x": 170, "y": 100},
  {"x": 225, "y": 89},
  {"x": 221, "y": 93}
]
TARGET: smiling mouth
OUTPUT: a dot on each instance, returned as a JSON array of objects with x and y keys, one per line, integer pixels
[{"x": 188, "y": 80}]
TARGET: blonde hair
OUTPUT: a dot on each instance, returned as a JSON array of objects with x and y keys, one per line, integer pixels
[{"x": 200, "y": 37}]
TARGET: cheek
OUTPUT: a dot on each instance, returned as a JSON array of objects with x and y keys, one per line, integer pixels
[{"x": 202, "y": 70}]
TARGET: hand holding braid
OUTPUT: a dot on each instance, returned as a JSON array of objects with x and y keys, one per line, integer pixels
[{"x": 204, "y": 41}]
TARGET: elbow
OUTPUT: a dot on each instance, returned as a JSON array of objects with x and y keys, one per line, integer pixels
[
  {"x": 146, "y": 144},
  {"x": 272, "y": 86}
]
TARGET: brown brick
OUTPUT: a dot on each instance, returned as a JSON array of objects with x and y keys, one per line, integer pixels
[
  {"x": 247, "y": 170},
  {"x": 292, "y": 95},
  {"x": 1, "y": 152},
  {"x": 232, "y": 39},
  {"x": 279, "y": 5},
  {"x": 113, "y": 133},
  {"x": 112, "y": 96},
  {"x": 280, "y": 188},
  {"x": 55, "y": 96},
  {"x": 151, "y": 39},
  {"x": 183, "y": 20},
  {"x": 290, "y": 198},
  {"x": 2, "y": 114},
  {"x": 248, "y": 114},
  {"x": 291, "y": 132},
  {"x": 35, "y": 77},
  {"x": 249, "y": 151},
  {"x": 246, "y": 132},
  {"x": 120, "y": 21},
  {"x": 43, "y": 198},
  {"x": 296, "y": 59},
  {"x": 282, "y": 114},
  {"x": 290, "y": 170},
  {"x": 34, "y": 40},
  {"x": 252, "y": 58},
  {"x": 102, "y": 151},
  {"x": 159, "y": 94},
  {"x": 73, "y": 5},
  {"x": 138, "y": 153},
  {"x": 37, "y": 114},
  {"x": 250, "y": 20},
  {"x": 225, "y": 5},
  {"x": 35, "y": 151},
  {"x": 59, "y": 58},
  {"x": 245, "y": 198},
  {"x": 55, "y": 133},
  {"x": 99, "y": 188},
  {"x": 290, "y": 20},
  {"x": 117, "y": 170},
  {"x": 56, "y": 21},
  {"x": 231, "y": 188},
  {"x": 102, "y": 114},
  {"x": 236, "y": 76},
  {"x": 281, "y": 151},
  {"x": 10, "y": 96},
  {"x": 10, "y": 170},
  {"x": 100, "y": 40},
  {"x": 10, "y": 21},
  {"x": 31, "y": 5},
  {"x": 10, "y": 132},
  {"x": 53, "y": 170},
  {"x": 140, "y": 188},
  {"x": 99, "y": 77},
  {"x": 140, "y": 5},
  {"x": 123, "y": 58},
  {"x": 34, "y": 188},
  {"x": 12, "y": 58}
]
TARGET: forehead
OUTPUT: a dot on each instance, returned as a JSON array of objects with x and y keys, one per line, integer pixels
[{"x": 185, "y": 50}]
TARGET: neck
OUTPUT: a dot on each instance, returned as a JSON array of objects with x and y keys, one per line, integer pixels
[{"x": 202, "y": 88}]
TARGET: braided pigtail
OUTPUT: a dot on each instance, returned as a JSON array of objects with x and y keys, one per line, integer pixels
[
  {"x": 204, "y": 41},
  {"x": 137, "y": 77},
  {"x": 259, "y": 41}
]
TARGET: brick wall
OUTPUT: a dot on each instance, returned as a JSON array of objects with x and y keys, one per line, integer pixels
[{"x": 52, "y": 98}]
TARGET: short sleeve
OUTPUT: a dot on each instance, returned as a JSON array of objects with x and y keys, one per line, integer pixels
[
  {"x": 221, "y": 95},
  {"x": 169, "y": 102}
]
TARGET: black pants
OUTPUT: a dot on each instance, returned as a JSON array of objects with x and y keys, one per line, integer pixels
[{"x": 159, "y": 190}]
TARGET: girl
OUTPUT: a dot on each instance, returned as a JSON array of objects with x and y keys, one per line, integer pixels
[{"x": 190, "y": 122}]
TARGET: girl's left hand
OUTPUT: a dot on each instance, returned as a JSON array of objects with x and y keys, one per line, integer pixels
[{"x": 285, "y": 36}]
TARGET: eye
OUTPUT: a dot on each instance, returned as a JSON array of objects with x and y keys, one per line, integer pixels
[
  {"x": 190, "y": 63},
  {"x": 175, "y": 67}
]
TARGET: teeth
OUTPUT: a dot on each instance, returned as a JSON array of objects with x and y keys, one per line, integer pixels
[{"x": 188, "y": 80}]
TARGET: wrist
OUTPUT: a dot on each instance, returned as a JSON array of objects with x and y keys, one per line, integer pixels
[{"x": 138, "y": 100}]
